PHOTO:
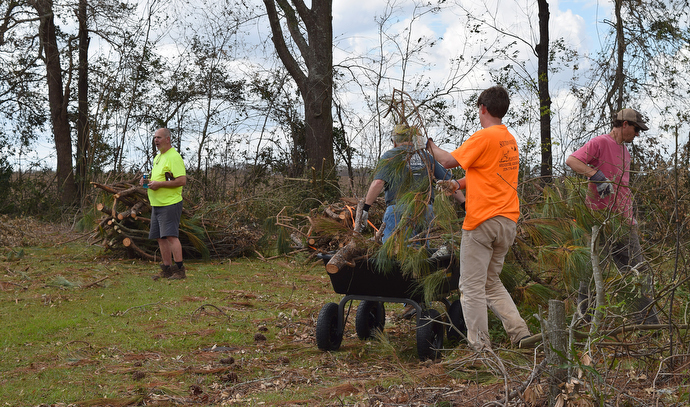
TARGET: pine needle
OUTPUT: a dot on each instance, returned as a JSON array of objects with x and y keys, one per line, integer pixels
[{"x": 61, "y": 281}]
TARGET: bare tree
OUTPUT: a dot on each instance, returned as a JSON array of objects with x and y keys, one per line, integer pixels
[
  {"x": 83, "y": 145},
  {"x": 314, "y": 74},
  {"x": 58, "y": 97},
  {"x": 542, "y": 50}
]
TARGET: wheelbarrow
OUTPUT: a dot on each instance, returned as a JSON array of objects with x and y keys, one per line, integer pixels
[{"x": 363, "y": 281}]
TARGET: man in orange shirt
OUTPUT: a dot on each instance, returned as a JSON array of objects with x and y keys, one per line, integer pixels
[{"x": 490, "y": 159}]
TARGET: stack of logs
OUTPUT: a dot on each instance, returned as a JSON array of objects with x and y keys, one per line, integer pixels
[
  {"x": 333, "y": 231},
  {"x": 126, "y": 226},
  {"x": 330, "y": 228}
]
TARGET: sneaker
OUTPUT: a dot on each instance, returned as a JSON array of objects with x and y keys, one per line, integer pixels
[
  {"x": 165, "y": 272},
  {"x": 177, "y": 273}
]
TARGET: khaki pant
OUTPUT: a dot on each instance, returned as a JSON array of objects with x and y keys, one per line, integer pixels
[{"x": 482, "y": 253}]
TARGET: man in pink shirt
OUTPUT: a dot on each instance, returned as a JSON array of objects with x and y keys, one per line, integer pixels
[{"x": 605, "y": 161}]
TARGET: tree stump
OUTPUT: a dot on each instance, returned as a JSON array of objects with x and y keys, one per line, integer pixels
[{"x": 556, "y": 348}]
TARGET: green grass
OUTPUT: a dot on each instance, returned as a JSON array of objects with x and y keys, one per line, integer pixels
[
  {"x": 130, "y": 340},
  {"x": 66, "y": 340},
  {"x": 69, "y": 342}
]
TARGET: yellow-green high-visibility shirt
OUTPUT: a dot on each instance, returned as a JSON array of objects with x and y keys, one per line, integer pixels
[{"x": 170, "y": 161}]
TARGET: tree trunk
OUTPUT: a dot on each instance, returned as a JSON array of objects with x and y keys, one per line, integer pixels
[
  {"x": 544, "y": 97},
  {"x": 319, "y": 122},
  {"x": 58, "y": 101},
  {"x": 614, "y": 98},
  {"x": 316, "y": 86},
  {"x": 83, "y": 145}
]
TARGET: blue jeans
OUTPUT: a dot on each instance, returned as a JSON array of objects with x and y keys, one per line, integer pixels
[{"x": 391, "y": 217}]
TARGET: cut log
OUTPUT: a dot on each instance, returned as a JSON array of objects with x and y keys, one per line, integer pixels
[
  {"x": 328, "y": 211},
  {"x": 124, "y": 214},
  {"x": 344, "y": 257},
  {"x": 130, "y": 245},
  {"x": 136, "y": 209},
  {"x": 358, "y": 226},
  {"x": 347, "y": 216},
  {"x": 128, "y": 191},
  {"x": 106, "y": 188}
]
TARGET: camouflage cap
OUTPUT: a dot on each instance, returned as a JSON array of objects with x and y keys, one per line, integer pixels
[
  {"x": 632, "y": 116},
  {"x": 403, "y": 133}
]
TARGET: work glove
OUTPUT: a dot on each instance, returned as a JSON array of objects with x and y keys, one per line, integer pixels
[
  {"x": 448, "y": 187},
  {"x": 604, "y": 185},
  {"x": 361, "y": 222},
  {"x": 419, "y": 141}
]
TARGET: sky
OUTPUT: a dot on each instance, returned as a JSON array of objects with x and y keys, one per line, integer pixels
[{"x": 578, "y": 22}]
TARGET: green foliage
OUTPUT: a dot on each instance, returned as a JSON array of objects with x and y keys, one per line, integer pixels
[
  {"x": 195, "y": 233},
  {"x": 32, "y": 193},
  {"x": 283, "y": 241}
]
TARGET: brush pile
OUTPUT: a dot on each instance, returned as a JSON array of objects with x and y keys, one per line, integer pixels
[
  {"x": 209, "y": 232},
  {"x": 330, "y": 227}
]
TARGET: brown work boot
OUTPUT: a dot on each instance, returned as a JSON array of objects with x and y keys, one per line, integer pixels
[
  {"x": 165, "y": 272},
  {"x": 177, "y": 273}
]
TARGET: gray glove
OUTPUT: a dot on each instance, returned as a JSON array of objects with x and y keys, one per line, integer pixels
[
  {"x": 604, "y": 185},
  {"x": 361, "y": 222},
  {"x": 419, "y": 141}
]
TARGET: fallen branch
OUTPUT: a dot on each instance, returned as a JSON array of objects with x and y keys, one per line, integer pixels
[
  {"x": 201, "y": 308},
  {"x": 2, "y": 283},
  {"x": 534, "y": 375},
  {"x": 121, "y": 313},
  {"x": 95, "y": 282},
  {"x": 74, "y": 238}
]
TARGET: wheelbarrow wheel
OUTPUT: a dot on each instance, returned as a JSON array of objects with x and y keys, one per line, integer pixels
[
  {"x": 429, "y": 335},
  {"x": 327, "y": 335},
  {"x": 371, "y": 317},
  {"x": 457, "y": 330}
]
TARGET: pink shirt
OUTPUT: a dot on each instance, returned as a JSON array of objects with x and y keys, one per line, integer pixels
[{"x": 613, "y": 159}]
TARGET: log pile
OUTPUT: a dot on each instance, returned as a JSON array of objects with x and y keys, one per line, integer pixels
[{"x": 125, "y": 219}]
